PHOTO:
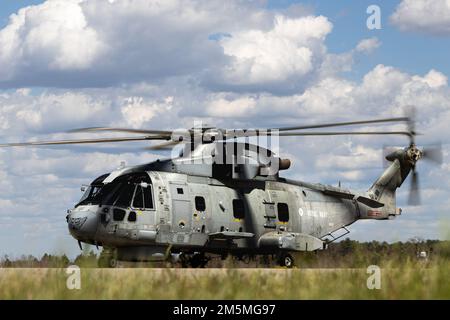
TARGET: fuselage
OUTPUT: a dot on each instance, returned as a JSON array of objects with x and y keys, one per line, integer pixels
[{"x": 193, "y": 213}]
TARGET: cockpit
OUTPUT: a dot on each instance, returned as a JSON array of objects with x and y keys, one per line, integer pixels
[
  {"x": 123, "y": 199},
  {"x": 129, "y": 190}
]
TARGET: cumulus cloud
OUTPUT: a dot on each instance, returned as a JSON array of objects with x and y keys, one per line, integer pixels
[
  {"x": 368, "y": 45},
  {"x": 53, "y": 36},
  {"x": 383, "y": 90},
  {"x": 288, "y": 51},
  {"x": 426, "y": 16},
  {"x": 229, "y": 45},
  {"x": 79, "y": 43},
  {"x": 137, "y": 112}
]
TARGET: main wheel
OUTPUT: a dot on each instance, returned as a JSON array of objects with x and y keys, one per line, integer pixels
[
  {"x": 184, "y": 260},
  {"x": 198, "y": 260},
  {"x": 286, "y": 260}
]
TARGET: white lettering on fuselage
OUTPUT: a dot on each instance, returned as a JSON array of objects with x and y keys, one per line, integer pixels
[{"x": 311, "y": 213}]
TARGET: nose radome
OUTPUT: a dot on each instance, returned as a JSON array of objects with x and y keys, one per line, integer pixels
[{"x": 82, "y": 224}]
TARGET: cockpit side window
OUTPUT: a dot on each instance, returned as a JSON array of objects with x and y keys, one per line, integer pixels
[
  {"x": 138, "y": 200},
  {"x": 148, "y": 197},
  {"x": 109, "y": 193},
  {"x": 126, "y": 193}
]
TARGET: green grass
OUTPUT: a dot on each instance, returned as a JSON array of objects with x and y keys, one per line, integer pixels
[{"x": 410, "y": 280}]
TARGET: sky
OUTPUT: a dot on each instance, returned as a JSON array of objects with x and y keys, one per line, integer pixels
[{"x": 67, "y": 64}]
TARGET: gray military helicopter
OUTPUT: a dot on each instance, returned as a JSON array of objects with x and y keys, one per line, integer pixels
[{"x": 224, "y": 196}]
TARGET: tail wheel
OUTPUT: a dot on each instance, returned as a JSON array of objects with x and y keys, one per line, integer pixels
[{"x": 286, "y": 260}]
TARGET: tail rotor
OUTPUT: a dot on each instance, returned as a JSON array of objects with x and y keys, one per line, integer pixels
[{"x": 413, "y": 154}]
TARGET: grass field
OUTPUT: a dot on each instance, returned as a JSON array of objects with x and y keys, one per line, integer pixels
[{"x": 410, "y": 281}]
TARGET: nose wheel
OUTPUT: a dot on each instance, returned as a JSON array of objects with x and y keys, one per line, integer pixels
[{"x": 107, "y": 259}]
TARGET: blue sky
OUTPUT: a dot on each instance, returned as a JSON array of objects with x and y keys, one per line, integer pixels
[
  {"x": 69, "y": 64},
  {"x": 349, "y": 17}
]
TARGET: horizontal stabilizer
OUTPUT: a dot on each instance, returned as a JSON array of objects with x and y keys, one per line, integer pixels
[
  {"x": 369, "y": 202},
  {"x": 339, "y": 194}
]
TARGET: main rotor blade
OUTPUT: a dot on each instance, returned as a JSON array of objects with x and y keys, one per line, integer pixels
[
  {"x": 342, "y": 133},
  {"x": 250, "y": 133},
  {"x": 164, "y": 145},
  {"x": 81, "y": 141},
  {"x": 339, "y": 124},
  {"x": 142, "y": 131}
]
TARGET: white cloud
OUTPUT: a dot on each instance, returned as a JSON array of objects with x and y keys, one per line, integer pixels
[
  {"x": 137, "y": 112},
  {"x": 425, "y": 16},
  {"x": 78, "y": 43},
  {"x": 222, "y": 107},
  {"x": 368, "y": 45},
  {"x": 97, "y": 43},
  {"x": 50, "y": 111},
  {"x": 54, "y": 35},
  {"x": 286, "y": 54}
]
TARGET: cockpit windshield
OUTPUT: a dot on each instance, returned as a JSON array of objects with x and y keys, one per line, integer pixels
[
  {"x": 125, "y": 191},
  {"x": 92, "y": 191},
  {"x": 89, "y": 194}
]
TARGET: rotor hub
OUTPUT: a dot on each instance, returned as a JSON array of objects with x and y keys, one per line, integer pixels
[{"x": 414, "y": 154}]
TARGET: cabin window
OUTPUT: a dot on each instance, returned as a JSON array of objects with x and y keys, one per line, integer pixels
[
  {"x": 180, "y": 191},
  {"x": 238, "y": 209},
  {"x": 118, "y": 214},
  {"x": 283, "y": 212},
  {"x": 200, "y": 204},
  {"x": 132, "y": 216}
]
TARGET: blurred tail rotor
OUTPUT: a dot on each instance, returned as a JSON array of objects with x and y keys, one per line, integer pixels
[
  {"x": 433, "y": 153},
  {"x": 414, "y": 191},
  {"x": 413, "y": 154}
]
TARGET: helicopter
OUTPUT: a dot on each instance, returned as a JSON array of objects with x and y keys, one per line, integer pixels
[{"x": 223, "y": 195}]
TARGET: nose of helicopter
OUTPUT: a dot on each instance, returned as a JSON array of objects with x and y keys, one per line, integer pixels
[{"x": 82, "y": 224}]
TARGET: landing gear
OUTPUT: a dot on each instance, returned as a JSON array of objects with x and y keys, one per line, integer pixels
[
  {"x": 107, "y": 259},
  {"x": 286, "y": 260},
  {"x": 197, "y": 260}
]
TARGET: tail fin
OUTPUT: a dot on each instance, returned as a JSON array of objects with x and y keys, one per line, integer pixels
[{"x": 384, "y": 188}]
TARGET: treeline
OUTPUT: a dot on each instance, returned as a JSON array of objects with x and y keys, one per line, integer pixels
[
  {"x": 88, "y": 259},
  {"x": 344, "y": 254},
  {"x": 354, "y": 254}
]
